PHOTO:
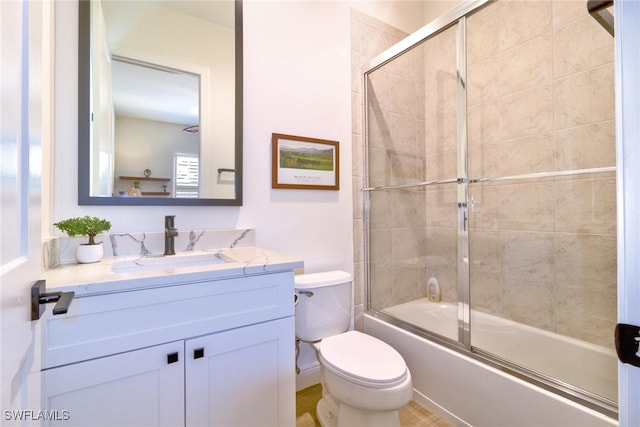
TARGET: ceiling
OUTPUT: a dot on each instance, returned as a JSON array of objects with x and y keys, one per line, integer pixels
[
  {"x": 165, "y": 95},
  {"x": 155, "y": 94}
]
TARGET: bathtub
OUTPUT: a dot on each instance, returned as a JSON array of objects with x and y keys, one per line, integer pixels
[{"x": 469, "y": 392}]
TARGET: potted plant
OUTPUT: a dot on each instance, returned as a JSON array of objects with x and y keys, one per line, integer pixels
[{"x": 86, "y": 226}]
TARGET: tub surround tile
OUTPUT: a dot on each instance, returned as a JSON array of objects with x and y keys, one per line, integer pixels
[
  {"x": 584, "y": 147},
  {"x": 483, "y": 123},
  {"x": 529, "y": 65},
  {"x": 567, "y": 11},
  {"x": 528, "y": 112},
  {"x": 584, "y": 98},
  {"x": 520, "y": 21},
  {"x": 531, "y": 302},
  {"x": 440, "y": 133},
  {"x": 528, "y": 256},
  {"x": 586, "y": 206},
  {"x": 594, "y": 308},
  {"x": 531, "y": 154},
  {"x": 483, "y": 81},
  {"x": 482, "y": 34},
  {"x": 586, "y": 262},
  {"x": 582, "y": 35},
  {"x": 526, "y": 206}
]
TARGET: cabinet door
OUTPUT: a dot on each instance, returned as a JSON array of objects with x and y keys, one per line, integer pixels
[
  {"x": 244, "y": 377},
  {"x": 138, "y": 388}
]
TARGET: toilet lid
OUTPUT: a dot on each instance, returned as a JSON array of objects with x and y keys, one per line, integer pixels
[{"x": 363, "y": 359}]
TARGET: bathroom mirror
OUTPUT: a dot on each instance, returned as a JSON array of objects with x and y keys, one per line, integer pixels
[{"x": 160, "y": 102}]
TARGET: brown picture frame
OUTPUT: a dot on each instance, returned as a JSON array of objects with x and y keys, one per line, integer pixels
[{"x": 299, "y": 162}]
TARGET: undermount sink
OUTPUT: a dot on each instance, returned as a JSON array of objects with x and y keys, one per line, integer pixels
[{"x": 162, "y": 262}]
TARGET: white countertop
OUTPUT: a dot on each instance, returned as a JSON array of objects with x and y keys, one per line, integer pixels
[{"x": 98, "y": 278}]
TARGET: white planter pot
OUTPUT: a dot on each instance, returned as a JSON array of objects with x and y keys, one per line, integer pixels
[{"x": 86, "y": 254}]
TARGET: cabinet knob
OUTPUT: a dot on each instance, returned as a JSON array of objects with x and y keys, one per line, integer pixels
[
  {"x": 198, "y": 353},
  {"x": 172, "y": 358}
]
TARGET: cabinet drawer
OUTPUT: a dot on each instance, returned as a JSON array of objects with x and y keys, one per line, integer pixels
[{"x": 100, "y": 325}]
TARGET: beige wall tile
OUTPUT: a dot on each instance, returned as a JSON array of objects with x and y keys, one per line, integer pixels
[
  {"x": 482, "y": 34},
  {"x": 380, "y": 248},
  {"x": 531, "y": 154},
  {"x": 380, "y": 216},
  {"x": 483, "y": 80},
  {"x": 378, "y": 90},
  {"x": 379, "y": 168},
  {"x": 439, "y": 91},
  {"x": 526, "y": 65},
  {"x": 406, "y": 284},
  {"x": 406, "y": 244},
  {"x": 580, "y": 46},
  {"x": 442, "y": 255},
  {"x": 405, "y": 168},
  {"x": 483, "y": 123},
  {"x": 586, "y": 206},
  {"x": 485, "y": 271},
  {"x": 406, "y": 65},
  {"x": 381, "y": 289},
  {"x": 403, "y": 97},
  {"x": 404, "y": 210},
  {"x": 526, "y": 206},
  {"x": 530, "y": 302},
  {"x": 586, "y": 262},
  {"x": 526, "y": 113},
  {"x": 440, "y": 133},
  {"x": 527, "y": 256},
  {"x": 520, "y": 21},
  {"x": 566, "y": 11},
  {"x": 441, "y": 166},
  {"x": 584, "y": 98},
  {"x": 442, "y": 206},
  {"x": 483, "y": 210},
  {"x": 403, "y": 131},
  {"x": 378, "y": 129},
  {"x": 587, "y": 315},
  {"x": 584, "y": 147},
  {"x": 483, "y": 161}
]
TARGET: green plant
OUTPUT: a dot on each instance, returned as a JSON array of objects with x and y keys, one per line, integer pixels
[{"x": 84, "y": 226}]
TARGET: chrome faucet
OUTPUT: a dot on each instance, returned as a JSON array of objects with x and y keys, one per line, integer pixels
[{"x": 170, "y": 232}]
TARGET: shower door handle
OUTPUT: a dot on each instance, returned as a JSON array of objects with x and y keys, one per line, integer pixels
[{"x": 627, "y": 343}]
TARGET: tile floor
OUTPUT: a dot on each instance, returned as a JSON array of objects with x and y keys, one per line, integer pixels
[{"x": 412, "y": 415}]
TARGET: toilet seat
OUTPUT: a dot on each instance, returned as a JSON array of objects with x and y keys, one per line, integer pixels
[{"x": 363, "y": 360}]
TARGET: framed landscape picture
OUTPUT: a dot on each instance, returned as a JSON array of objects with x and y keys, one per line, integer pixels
[{"x": 304, "y": 163}]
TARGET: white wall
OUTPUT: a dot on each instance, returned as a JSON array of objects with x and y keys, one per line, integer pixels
[{"x": 297, "y": 80}]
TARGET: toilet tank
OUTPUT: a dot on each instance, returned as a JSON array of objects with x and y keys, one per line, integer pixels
[{"x": 323, "y": 305}]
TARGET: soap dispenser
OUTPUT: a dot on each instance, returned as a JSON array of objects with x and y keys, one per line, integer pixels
[{"x": 433, "y": 289}]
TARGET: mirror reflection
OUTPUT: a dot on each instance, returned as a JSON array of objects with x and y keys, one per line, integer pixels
[
  {"x": 157, "y": 118},
  {"x": 164, "y": 122}
]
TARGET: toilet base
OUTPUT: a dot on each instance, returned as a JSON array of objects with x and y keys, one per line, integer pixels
[{"x": 332, "y": 414}]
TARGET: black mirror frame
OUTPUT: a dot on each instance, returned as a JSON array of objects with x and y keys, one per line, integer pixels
[{"x": 84, "y": 112}]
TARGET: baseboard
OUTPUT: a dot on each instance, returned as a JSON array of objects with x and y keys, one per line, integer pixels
[{"x": 308, "y": 376}]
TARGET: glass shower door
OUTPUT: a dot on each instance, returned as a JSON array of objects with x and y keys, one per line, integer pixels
[
  {"x": 412, "y": 116},
  {"x": 542, "y": 191},
  {"x": 491, "y": 167}
]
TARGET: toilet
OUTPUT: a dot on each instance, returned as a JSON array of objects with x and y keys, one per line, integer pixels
[{"x": 364, "y": 380}]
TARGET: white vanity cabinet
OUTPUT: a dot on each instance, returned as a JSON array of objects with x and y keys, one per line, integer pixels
[
  {"x": 240, "y": 377},
  {"x": 137, "y": 388},
  {"x": 210, "y": 353}
]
